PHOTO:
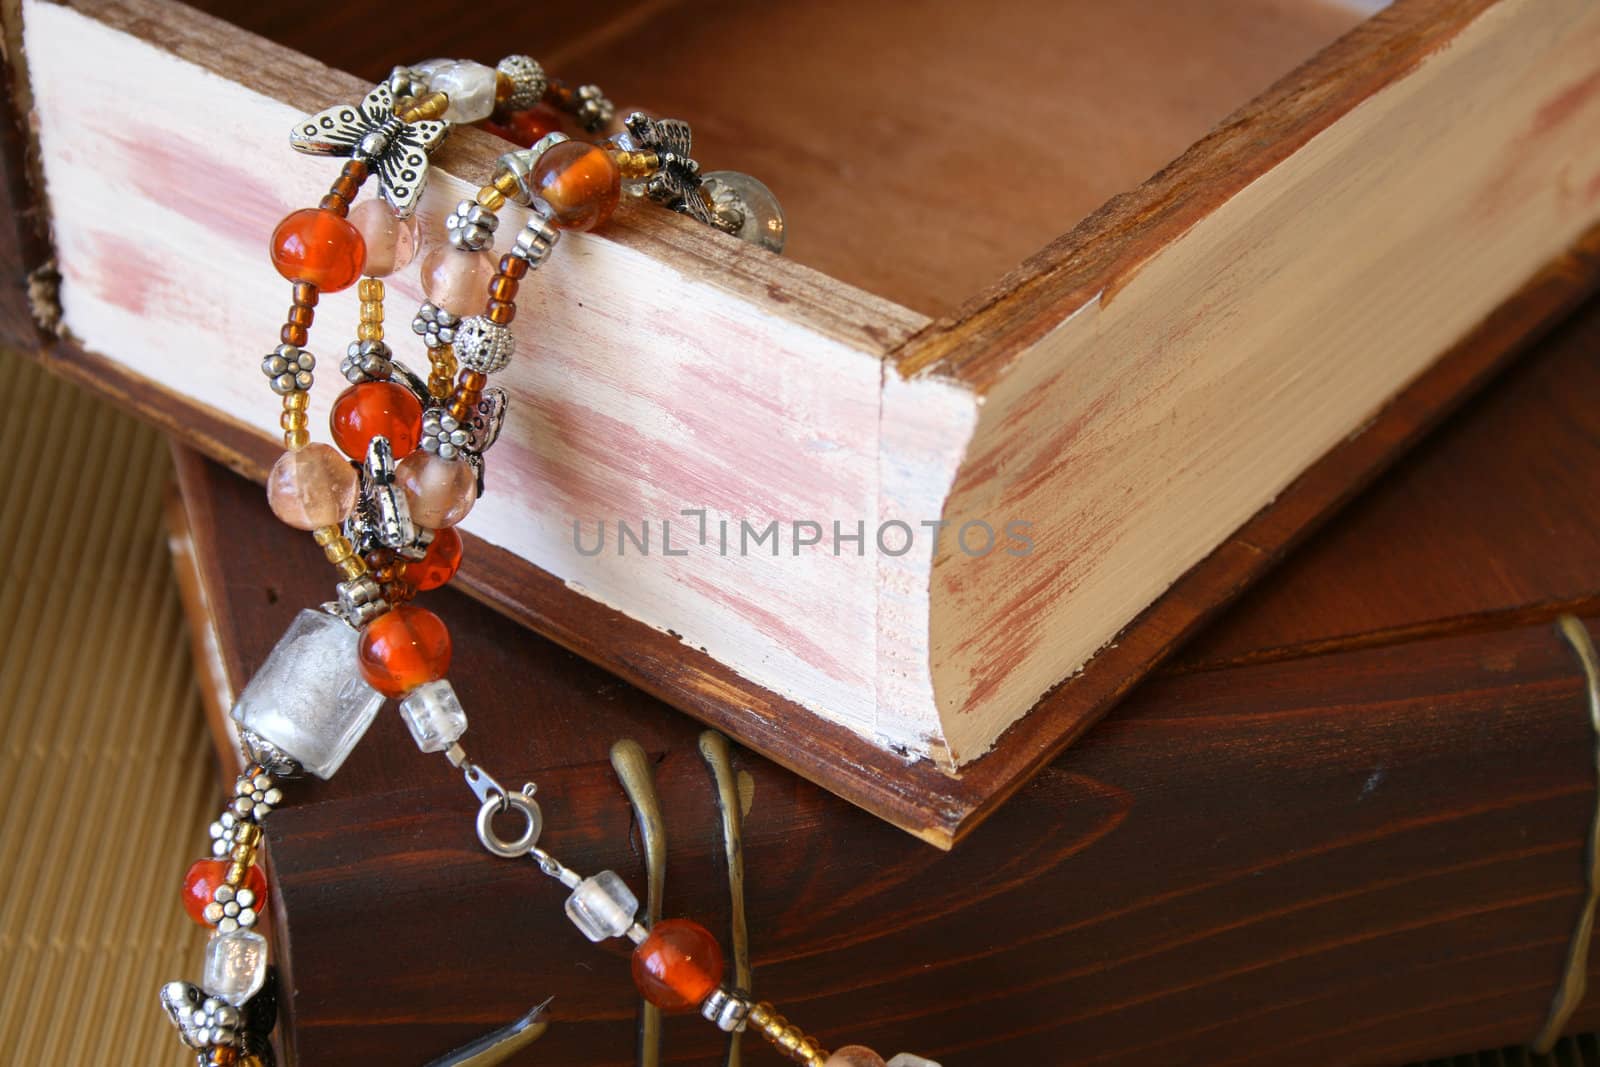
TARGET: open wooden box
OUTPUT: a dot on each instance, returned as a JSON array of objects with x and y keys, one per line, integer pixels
[{"x": 1168, "y": 394}]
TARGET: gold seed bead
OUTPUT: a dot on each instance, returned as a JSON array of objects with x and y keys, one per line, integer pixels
[
  {"x": 296, "y": 401},
  {"x": 491, "y": 198},
  {"x": 506, "y": 183},
  {"x": 636, "y": 165},
  {"x": 431, "y": 106},
  {"x": 352, "y": 568},
  {"x": 295, "y": 440},
  {"x": 789, "y": 1039},
  {"x": 372, "y": 311},
  {"x": 326, "y": 535},
  {"x": 238, "y": 870},
  {"x": 370, "y": 289},
  {"x": 292, "y": 419},
  {"x": 442, "y": 380},
  {"x": 370, "y": 331},
  {"x": 246, "y": 833},
  {"x": 504, "y": 87}
]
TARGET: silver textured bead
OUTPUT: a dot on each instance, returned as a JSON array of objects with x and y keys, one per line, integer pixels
[
  {"x": 367, "y": 361},
  {"x": 746, "y": 208},
  {"x": 288, "y": 369},
  {"x": 278, "y": 763},
  {"x": 442, "y": 434},
  {"x": 361, "y": 601},
  {"x": 536, "y": 239},
  {"x": 436, "y": 326},
  {"x": 591, "y": 108},
  {"x": 471, "y": 226},
  {"x": 483, "y": 346},
  {"x": 602, "y": 906},
  {"x": 726, "y": 1007},
  {"x": 390, "y": 514},
  {"x": 528, "y": 81},
  {"x": 202, "y": 1021},
  {"x": 434, "y": 715}
]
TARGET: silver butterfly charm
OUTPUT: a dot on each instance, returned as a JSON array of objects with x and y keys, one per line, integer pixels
[
  {"x": 370, "y": 131},
  {"x": 486, "y": 419},
  {"x": 677, "y": 181}
]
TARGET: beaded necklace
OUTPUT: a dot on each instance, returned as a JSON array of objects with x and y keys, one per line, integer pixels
[{"x": 408, "y": 467}]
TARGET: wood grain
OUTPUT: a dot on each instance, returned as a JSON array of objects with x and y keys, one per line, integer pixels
[{"x": 1358, "y": 854}]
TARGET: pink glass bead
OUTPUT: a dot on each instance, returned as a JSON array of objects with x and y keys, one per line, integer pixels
[
  {"x": 312, "y": 487},
  {"x": 391, "y": 240},
  {"x": 854, "y": 1056},
  {"x": 457, "y": 281},
  {"x": 439, "y": 492}
]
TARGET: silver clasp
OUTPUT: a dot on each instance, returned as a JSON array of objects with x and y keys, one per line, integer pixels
[{"x": 497, "y": 801}]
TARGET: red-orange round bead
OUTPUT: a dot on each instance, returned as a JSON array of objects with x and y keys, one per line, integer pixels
[
  {"x": 403, "y": 648},
  {"x": 440, "y": 564},
  {"x": 321, "y": 248},
  {"x": 200, "y": 886},
  {"x": 363, "y": 411},
  {"x": 527, "y": 128},
  {"x": 678, "y": 965}
]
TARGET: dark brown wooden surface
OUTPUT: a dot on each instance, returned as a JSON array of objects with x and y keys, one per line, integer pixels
[{"x": 1345, "y": 827}]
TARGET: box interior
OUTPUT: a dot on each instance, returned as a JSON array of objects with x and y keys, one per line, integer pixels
[{"x": 921, "y": 148}]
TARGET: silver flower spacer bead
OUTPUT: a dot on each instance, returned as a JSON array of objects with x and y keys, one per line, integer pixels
[
  {"x": 443, "y": 434},
  {"x": 436, "y": 326},
  {"x": 288, "y": 368},
  {"x": 278, "y": 763},
  {"x": 483, "y": 346},
  {"x": 367, "y": 361},
  {"x": 593, "y": 110},
  {"x": 537, "y": 237},
  {"x": 528, "y": 81},
  {"x": 471, "y": 226}
]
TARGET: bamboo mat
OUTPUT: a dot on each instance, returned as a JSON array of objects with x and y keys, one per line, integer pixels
[{"x": 107, "y": 776}]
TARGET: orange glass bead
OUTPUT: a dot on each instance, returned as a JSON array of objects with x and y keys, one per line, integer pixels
[
  {"x": 678, "y": 965},
  {"x": 320, "y": 247},
  {"x": 200, "y": 886},
  {"x": 580, "y": 183},
  {"x": 526, "y": 128},
  {"x": 403, "y": 648},
  {"x": 440, "y": 564},
  {"x": 363, "y": 411}
]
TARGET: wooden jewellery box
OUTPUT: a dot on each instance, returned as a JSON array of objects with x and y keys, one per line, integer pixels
[{"x": 1142, "y": 289}]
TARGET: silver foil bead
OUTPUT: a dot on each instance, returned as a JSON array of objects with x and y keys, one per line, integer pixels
[
  {"x": 367, "y": 361},
  {"x": 288, "y": 368},
  {"x": 361, "y": 601},
  {"x": 746, "y": 208},
  {"x": 728, "y": 1008},
  {"x": 602, "y": 906},
  {"x": 390, "y": 513},
  {"x": 483, "y": 346},
  {"x": 236, "y": 966},
  {"x": 536, "y": 239},
  {"x": 435, "y": 325},
  {"x": 277, "y": 762},
  {"x": 434, "y": 715},
  {"x": 443, "y": 435},
  {"x": 528, "y": 81},
  {"x": 308, "y": 699},
  {"x": 471, "y": 226},
  {"x": 591, "y": 108}
]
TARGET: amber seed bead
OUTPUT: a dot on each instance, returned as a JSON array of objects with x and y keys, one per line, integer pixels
[
  {"x": 300, "y": 315},
  {"x": 402, "y": 649},
  {"x": 503, "y": 287},
  {"x": 513, "y": 266},
  {"x": 579, "y": 182},
  {"x": 678, "y": 965},
  {"x": 500, "y": 312},
  {"x": 292, "y": 334},
  {"x": 305, "y": 295},
  {"x": 319, "y": 247}
]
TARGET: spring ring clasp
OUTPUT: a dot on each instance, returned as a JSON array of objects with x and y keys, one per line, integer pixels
[{"x": 497, "y": 802}]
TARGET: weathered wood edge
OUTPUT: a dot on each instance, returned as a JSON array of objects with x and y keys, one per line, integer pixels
[
  {"x": 782, "y": 288},
  {"x": 918, "y": 798},
  {"x": 1097, "y": 257}
]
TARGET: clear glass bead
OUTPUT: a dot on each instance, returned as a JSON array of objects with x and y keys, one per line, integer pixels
[
  {"x": 602, "y": 906},
  {"x": 236, "y": 966},
  {"x": 906, "y": 1059},
  {"x": 470, "y": 87},
  {"x": 434, "y": 715},
  {"x": 762, "y": 222},
  {"x": 309, "y": 698}
]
